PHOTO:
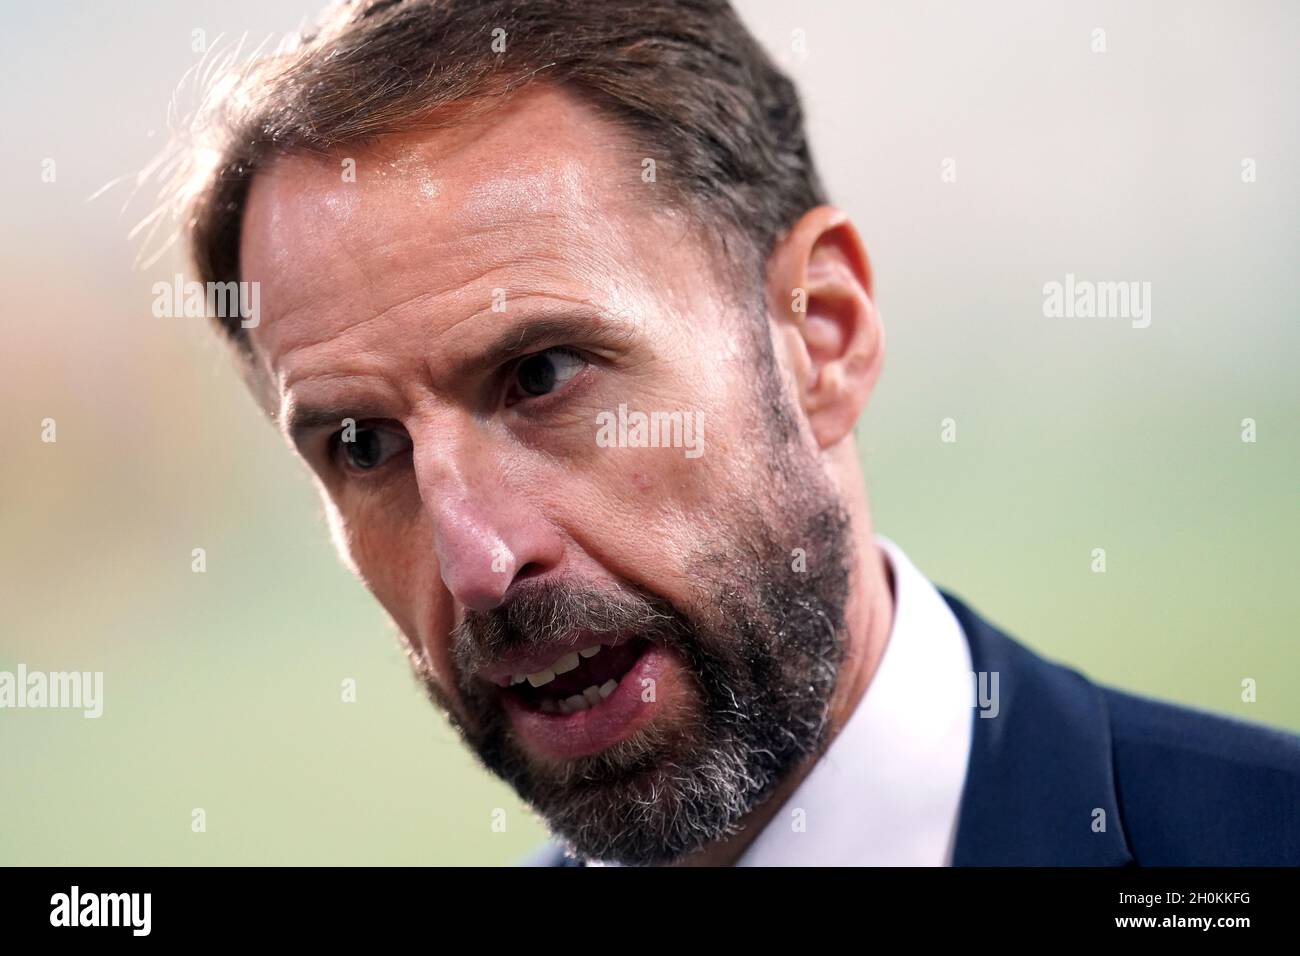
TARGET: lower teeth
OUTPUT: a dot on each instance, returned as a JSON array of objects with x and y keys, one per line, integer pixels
[{"x": 589, "y": 698}]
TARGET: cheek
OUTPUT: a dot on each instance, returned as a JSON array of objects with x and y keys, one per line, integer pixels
[
  {"x": 363, "y": 539},
  {"x": 646, "y": 514}
]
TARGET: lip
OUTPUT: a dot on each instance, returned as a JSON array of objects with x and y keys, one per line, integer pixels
[
  {"x": 561, "y": 736},
  {"x": 534, "y": 661}
]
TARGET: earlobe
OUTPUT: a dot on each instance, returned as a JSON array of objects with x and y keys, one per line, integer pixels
[{"x": 820, "y": 285}]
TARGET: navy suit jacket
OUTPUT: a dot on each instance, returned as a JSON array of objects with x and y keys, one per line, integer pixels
[{"x": 1179, "y": 787}]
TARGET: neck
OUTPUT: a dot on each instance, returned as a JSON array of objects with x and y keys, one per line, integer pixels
[{"x": 869, "y": 615}]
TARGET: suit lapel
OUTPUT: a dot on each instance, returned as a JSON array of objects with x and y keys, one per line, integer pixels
[{"x": 1040, "y": 785}]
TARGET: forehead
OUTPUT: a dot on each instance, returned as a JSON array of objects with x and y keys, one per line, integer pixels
[{"x": 539, "y": 197}]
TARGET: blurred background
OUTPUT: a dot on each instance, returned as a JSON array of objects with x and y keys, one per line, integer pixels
[{"x": 222, "y": 689}]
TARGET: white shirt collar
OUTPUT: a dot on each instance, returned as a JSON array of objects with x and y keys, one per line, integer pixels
[{"x": 887, "y": 791}]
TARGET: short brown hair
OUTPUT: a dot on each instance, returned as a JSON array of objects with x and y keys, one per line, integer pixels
[{"x": 683, "y": 77}]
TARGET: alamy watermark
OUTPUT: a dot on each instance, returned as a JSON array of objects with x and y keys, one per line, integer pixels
[
  {"x": 1084, "y": 299},
  {"x": 214, "y": 300},
  {"x": 985, "y": 696},
  {"x": 632, "y": 429},
  {"x": 58, "y": 690},
  {"x": 75, "y": 908}
]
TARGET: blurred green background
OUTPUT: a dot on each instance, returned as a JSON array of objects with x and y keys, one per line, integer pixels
[{"x": 223, "y": 689}]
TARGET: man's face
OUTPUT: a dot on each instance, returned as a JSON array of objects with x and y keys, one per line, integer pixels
[{"x": 495, "y": 306}]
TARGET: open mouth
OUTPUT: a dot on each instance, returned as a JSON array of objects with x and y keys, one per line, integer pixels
[
  {"x": 590, "y": 696},
  {"x": 577, "y": 680}
]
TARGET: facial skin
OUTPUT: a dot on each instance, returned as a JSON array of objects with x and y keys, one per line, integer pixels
[{"x": 499, "y": 534}]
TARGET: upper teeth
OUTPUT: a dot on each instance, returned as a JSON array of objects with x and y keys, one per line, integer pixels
[{"x": 561, "y": 665}]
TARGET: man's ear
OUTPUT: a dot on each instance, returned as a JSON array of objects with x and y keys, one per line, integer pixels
[{"x": 819, "y": 296}]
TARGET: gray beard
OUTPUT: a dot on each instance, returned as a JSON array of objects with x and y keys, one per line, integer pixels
[{"x": 762, "y": 646}]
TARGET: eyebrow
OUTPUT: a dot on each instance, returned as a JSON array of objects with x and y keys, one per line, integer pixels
[
  {"x": 301, "y": 420},
  {"x": 528, "y": 336}
]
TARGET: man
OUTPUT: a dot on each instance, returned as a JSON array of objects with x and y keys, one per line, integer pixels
[{"x": 553, "y": 304}]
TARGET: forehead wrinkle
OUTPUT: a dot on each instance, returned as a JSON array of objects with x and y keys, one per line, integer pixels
[
  {"x": 327, "y": 336},
  {"x": 456, "y": 287},
  {"x": 557, "y": 241},
  {"x": 418, "y": 373},
  {"x": 565, "y": 202},
  {"x": 364, "y": 365}
]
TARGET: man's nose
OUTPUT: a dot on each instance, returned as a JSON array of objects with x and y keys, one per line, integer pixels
[{"x": 486, "y": 536}]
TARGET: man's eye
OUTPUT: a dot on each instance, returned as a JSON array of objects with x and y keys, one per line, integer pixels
[
  {"x": 368, "y": 448},
  {"x": 543, "y": 372}
]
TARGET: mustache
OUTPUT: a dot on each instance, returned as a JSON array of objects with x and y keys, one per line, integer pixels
[{"x": 543, "y": 612}]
